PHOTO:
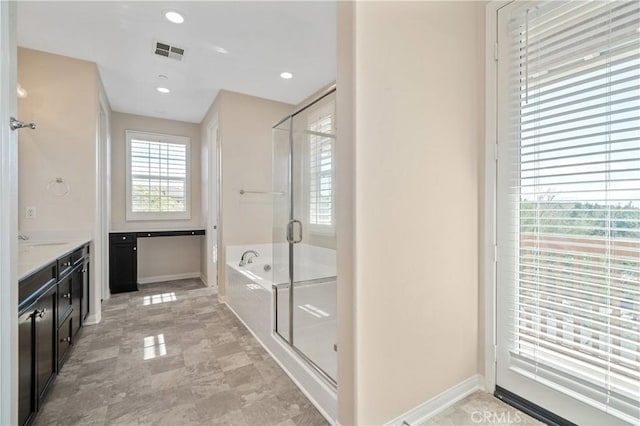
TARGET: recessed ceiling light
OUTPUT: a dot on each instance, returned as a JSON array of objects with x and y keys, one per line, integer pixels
[
  {"x": 174, "y": 16},
  {"x": 163, "y": 90},
  {"x": 220, "y": 50},
  {"x": 286, "y": 75}
]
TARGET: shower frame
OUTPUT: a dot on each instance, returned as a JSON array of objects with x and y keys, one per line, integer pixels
[{"x": 290, "y": 341}]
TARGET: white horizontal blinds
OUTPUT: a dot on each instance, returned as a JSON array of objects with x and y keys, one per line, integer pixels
[
  {"x": 576, "y": 191},
  {"x": 321, "y": 171},
  {"x": 158, "y": 176}
]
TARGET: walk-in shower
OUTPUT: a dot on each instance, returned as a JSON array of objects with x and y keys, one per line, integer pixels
[
  {"x": 304, "y": 233},
  {"x": 285, "y": 291}
]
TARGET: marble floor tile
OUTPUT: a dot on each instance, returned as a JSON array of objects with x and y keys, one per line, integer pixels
[
  {"x": 170, "y": 354},
  {"x": 184, "y": 360}
]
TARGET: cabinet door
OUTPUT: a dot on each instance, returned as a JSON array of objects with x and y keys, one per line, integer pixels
[
  {"x": 26, "y": 373},
  {"x": 85, "y": 290},
  {"x": 45, "y": 341},
  {"x": 123, "y": 269},
  {"x": 76, "y": 299},
  {"x": 65, "y": 340}
]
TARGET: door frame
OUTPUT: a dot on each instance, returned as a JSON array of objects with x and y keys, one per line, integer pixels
[
  {"x": 8, "y": 218},
  {"x": 489, "y": 226},
  {"x": 213, "y": 207}
]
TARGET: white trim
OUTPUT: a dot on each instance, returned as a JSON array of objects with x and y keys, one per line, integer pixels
[
  {"x": 213, "y": 202},
  {"x": 157, "y": 137},
  {"x": 93, "y": 319},
  {"x": 99, "y": 279},
  {"x": 490, "y": 170},
  {"x": 171, "y": 277},
  {"x": 8, "y": 219},
  {"x": 439, "y": 403},
  {"x": 203, "y": 279}
]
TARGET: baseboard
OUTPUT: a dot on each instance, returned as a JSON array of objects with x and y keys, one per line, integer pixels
[
  {"x": 163, "y": 278},
  {"x": 93, "y": 319},
  {"x": 438, "y": 403},
  {"x": 204, "y": 279}
]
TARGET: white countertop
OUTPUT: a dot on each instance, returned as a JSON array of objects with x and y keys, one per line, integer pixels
[{"x": 35, "y": 254}]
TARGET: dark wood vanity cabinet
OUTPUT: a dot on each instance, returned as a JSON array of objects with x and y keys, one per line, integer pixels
[
  {"x": 123, "y": 262},
  {"x": 37, "y": 364},
  {"x": 26, "y": 374},
  {"x": 45, "y": 341},
  {"x": 50, "y": 314},
  {"x": 77, "y": 278},
  {"x": 84, "y": 306}
]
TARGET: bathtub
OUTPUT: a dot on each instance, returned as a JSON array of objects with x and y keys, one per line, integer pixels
[{"x": 251, "y": 297}]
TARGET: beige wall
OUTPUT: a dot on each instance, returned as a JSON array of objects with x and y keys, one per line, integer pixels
[
  {"x": 62, "y": 101},
  {"x": 120, "y": 122},
  {"x": 345, "y": 213},
  {"x": 417, "y": 136},
  {"x": 163, "y": 258},
  {"x": 245, "y": 137},
  {"x": 152, "y": 258}
]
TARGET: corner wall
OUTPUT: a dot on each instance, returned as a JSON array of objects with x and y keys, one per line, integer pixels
[
  {"x": 244, "y": 123},
  {"x": 417, "y": 135}
]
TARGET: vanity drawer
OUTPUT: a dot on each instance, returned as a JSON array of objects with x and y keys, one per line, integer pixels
[
  {"x": 65, "y": 264},
  {"x": 31, "y": 287},
  {"x": 79, "y": 255},
  {"x": 64, "y": 298},
  {"x": 127, "y": 237}
]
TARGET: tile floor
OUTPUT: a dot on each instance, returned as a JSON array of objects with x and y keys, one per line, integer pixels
[
  {"x": 170, "y": 354},
  {"x": 481, "y": 408}
]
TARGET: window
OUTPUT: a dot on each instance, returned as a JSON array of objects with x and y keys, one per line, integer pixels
[
  {"x": 157, "y": 176},
  {"x": 569, "y": 208},
  {"x": 321, "y": 172}
]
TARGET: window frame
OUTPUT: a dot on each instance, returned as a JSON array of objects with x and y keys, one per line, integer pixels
[
  {"x": 492, "y": 259},
  {"x": 313, "y": 117},
  {"x": 162, "y": 138}
]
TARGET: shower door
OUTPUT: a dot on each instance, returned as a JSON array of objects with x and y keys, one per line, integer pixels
[{"x": 304, "y": 235}]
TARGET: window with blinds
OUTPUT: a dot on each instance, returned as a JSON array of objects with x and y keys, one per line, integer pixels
[
  {"x": 321, "y": 174},
  {"x": 158, "y": 170},
  {"x": 575, "y": 190}
]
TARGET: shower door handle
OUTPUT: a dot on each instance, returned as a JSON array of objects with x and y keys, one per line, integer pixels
[{"x": 290, "y": 237}]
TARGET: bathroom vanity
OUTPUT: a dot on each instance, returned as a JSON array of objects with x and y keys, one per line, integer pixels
[
  {"x": 123, "y": 256},
  {"x": 53, "y": 303}
]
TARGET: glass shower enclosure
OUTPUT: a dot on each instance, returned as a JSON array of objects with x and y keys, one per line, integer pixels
[{"x": 304, "y": 233}]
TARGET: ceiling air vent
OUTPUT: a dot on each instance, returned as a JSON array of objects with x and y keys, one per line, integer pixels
[{"x": 168, "y": 51}]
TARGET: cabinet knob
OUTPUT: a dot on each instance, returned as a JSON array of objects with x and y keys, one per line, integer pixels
[
  {"x": 135, "y": 248},
  {"x": 67, "y": 295},
  {"x": 66, "y": 339},
  {"x": 66, "y": 264},
  {"x": 124, "y": 238}
]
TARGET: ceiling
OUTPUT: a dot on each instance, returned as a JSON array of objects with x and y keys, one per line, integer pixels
[{"x": 263, "y": 39}]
